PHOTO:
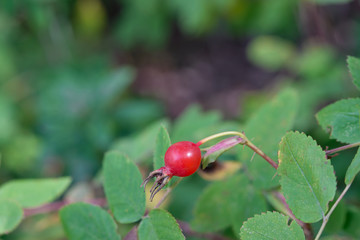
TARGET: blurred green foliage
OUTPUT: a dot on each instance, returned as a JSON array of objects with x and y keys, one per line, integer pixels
[
  {"x": 150, "y": 23},
  {"x": 66, "y": 98}
]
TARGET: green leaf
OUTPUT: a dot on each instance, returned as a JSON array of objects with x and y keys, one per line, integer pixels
[
  {"x": 195, "y": 18},
  {"x": 122, "y": 180},
  {"x": 22, "y": 161},
  {"x": 131, "y": 31},
  {"x": 139, "y": 146},
  {"x": 31, "y": 193},
  {"x": 134, "y": 114},
  {"x": 85, "y": 221},
  {"x": 113, "y": 84},
  {"x": 276, "y": 202},
  {"x": 354, "y": 68},
  {"x": 337, "y": 237},
  {"x": 227, "y": 203},
  {"x": 265, "y": 129},
  {"x": 342, "y": 119},
  {"x": 192, "y": 121},
  {"x": 11, "y": 215},
  {"x": 269, "y": 16},
  {"x": 270, "y": 53},
  {"x": 271, "y": 225},
  {"x": 352, "y": 227},
  {"x": 353, "y": 169},
  {"x": 159, "y": 225},
  {"x": 162, "y": 143},
  {"x": 307, "y": 177},
  {"x": 314, "y": 61},
  {"x": 8, "y": 124},
  {"x": 184, "y": 197}
]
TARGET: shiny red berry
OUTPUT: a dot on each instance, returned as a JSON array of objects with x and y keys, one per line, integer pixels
[{"x": 182, "y": 159}]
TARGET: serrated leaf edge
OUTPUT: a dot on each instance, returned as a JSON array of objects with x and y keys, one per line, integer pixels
[
  {"x": 324, "y": 157},
  {"x": 327, "y": 127},
  {"x": 128, "y": 160},
  {"x": 164, "y": 211},
  {"x": 348, "y": 67},
  {"x": 288, "y": 219}
]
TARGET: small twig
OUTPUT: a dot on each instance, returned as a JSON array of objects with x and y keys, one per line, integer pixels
[
  {"x": 342, "y": 148},
  {"x": 222, "y": 134},
  {"x": 261, "y": 154},
  {"x": 326, "y": 219},
  {"x": 55, "y": 206},
  {"x": 305, "y": 226},
  {"x": 245, "y": 141},
  {"x": 189, "y": 232}
]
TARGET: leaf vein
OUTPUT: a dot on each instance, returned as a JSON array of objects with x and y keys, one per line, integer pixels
[{"x": 303, "y": 174}]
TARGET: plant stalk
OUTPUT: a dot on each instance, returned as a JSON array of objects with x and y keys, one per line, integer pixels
[
  {"x": 56, "y": 206},
  {"x": 220, "y": 135},
  {"x": 247, "y": 142},
  {"x": 342, "y": 148},
  {"x": 326, "y": 219},
  {"x": 261, "y": 154},
  {"x": 305, "y": 226}
]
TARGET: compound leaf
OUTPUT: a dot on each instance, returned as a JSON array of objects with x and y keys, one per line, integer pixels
[
  {"x": 85, "y": 221},
  {"x": 31, "y": 193},
  {"x": 307, "y": 177},
  {"x": 271, "y": 225},
  {"x": 342, "y": 119},
  {"x": 159, "y": 225},
  {"x": 122, "y": 181}
]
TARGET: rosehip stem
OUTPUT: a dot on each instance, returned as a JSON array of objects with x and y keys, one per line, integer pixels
[
  {"x": 246, "y": 142},
  {"x": 212, "y": 137},
  {"x": 261, "y": 154}
]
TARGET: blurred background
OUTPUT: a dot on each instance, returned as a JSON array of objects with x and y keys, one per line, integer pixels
[{"x": 80, "y": 77}]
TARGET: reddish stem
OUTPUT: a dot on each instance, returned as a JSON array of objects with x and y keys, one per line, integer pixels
[
  {"x": 342, "y": 148},
  {"x": 305, "y": 226},
  {"x": 262, "y": 154},
  {"x": 55, "y": 206}
]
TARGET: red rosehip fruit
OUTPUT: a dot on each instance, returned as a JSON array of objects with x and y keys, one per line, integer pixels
[{"x": 182, "y": 159}]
